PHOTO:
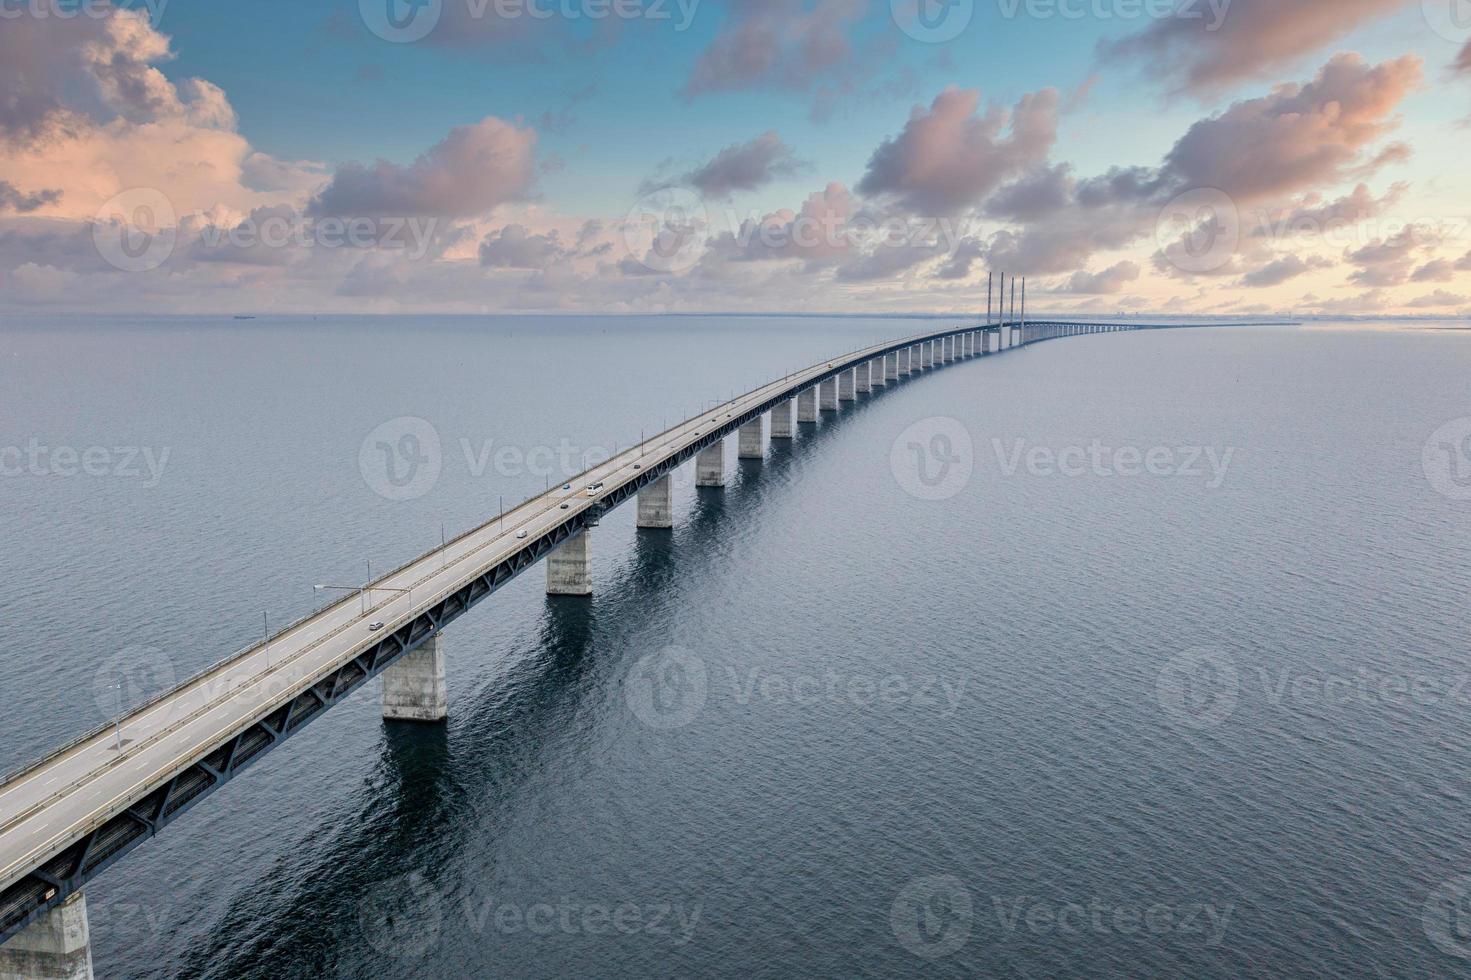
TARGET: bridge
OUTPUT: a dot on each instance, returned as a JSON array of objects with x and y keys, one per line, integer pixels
[{"x": 67, "y": 817}]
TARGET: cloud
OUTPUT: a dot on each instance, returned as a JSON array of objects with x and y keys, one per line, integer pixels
[
  {"x": 469, "y": 172},
  {"x": 1438, "y": 270},
  {"x": 818, "y": 234},
  {"x": 744, "y": 167},
  {"x": 39, "y": 285},
  {"x": 1299, "y": 135},
  {"x": 1313, "y": 215},
  {"x": 12, "y": 199},
  {"x": 1205, "y": 53},
  {"x": 1280, "y": 270},
  {"x": 514, "y": 247},
  {"x": 1463, "y": 60},
  {"x": 948, "y": 158},
  {"x": 1439, "y": 300},
  {"x": 776, "y": 43},
  {"x": 1110, "y": 281},
  {"x": 1389, "y": 261}
]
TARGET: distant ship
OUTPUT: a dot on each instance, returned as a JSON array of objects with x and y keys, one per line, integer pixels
[{"x": 241, "y": 316}]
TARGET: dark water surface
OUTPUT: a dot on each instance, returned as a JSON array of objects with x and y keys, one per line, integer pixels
[{"x": 1063, "y": 721}]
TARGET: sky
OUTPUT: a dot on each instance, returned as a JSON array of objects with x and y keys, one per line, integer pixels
[{"x": 1244, "y": 157}]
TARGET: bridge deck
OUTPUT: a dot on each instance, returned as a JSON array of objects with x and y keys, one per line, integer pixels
[
  {"x": 66, "y": 817},
  {"x": 60, "y": 800}
]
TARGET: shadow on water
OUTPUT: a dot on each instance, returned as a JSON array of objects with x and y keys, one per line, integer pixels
[{"x": 408, "y": 822}]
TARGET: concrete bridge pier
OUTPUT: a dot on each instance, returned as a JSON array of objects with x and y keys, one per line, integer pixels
[
  {"x": 878, "y": 370},
  {"x": 829, "y": 396},
  {"x": 807, "y": 406},
  {"x": 710, "y": 466},
  {"x": 863, "y": 373},
  {"x": 848, "y": 386},
  {"x": 569, "y": 568},
  {"x": 949, "y": 348},
  {"x": 57, "y": 946},
  {"x": 926, "y": 355},
  {"x": 656, "y": 504},
  {"x": 413, "y": 685},
  {"x": 751, "y": 440},
  {"x": 781, "y": 421},
  {"x": 896, "y": 365}
]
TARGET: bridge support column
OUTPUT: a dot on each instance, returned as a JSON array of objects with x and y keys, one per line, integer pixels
[
  {"x": 949, "y": 349},
  {"x": 57, "y": 945},
  {"x": 864, "y": 374},
  {"x": 781, "y": 421},
  {"x": 710, "y": 466},
  {"x": 848, "y": 386},
  {"x": 807, "y": 406},
  {"x": 902, "y": 362},
  {"x": 926, "y": 355},
  {"x": 830, "y": 395},
  {"x": 656, "y": 504},
  {"x": 896, "y": 365},
  {"x": 751, "y": 441},
  {"x": 878, "y": 371},
  {"x": 413, "y": 685},
  {"x": 569, "y": 568}
]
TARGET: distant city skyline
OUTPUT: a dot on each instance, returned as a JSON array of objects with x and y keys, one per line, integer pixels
[{"x": 1244, "y": 157}]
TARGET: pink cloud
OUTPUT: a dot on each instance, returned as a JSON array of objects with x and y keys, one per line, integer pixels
[
  {"x": 469, "y": 172},
  {"x": 1204, "y": 53},
  {"x": 776, "y": 43},
  {"x": 1299, "y": 135},
  {"x": 949, "y": 157}
]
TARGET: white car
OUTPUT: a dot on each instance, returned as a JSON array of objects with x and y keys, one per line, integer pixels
[
  {"x": 595, "y": 489},
  {"x": 521, "y": 535},
  {"x": 374, "y": 627}
]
